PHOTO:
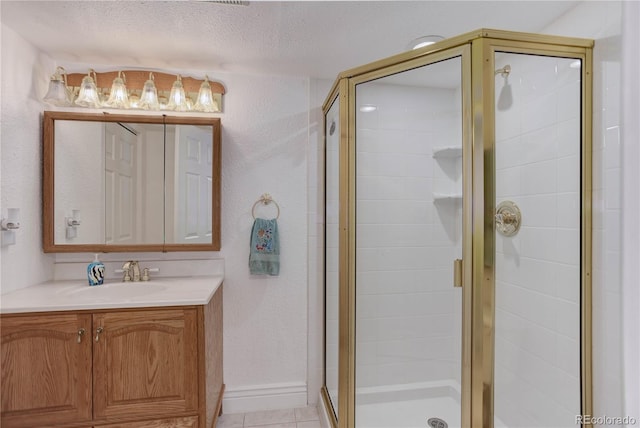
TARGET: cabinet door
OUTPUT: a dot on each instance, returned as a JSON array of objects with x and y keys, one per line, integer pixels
[
  {"x": 145, "y": 363},
  {"x": 46, "y": 370}
]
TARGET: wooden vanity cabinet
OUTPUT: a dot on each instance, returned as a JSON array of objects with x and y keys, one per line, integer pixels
[{"x": 138, "y": 368}]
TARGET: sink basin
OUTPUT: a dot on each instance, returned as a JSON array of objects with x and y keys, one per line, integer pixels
[{"x": 121, "y": 290}]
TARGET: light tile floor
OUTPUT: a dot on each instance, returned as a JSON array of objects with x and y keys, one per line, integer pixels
[{"x": 303, "y": 417}]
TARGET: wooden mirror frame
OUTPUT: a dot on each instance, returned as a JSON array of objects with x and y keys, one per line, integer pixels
[{"x": 48, "y": 182}]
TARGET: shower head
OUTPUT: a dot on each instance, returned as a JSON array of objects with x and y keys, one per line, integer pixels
[
  {"x": 504, "y": 71},
  {"x": 505, "y": 99}
]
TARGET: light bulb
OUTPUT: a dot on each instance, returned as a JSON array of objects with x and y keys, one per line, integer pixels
[{"x": 134, "y": 100}]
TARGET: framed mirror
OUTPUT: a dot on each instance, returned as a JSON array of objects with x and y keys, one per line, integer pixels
[{"x": 130, "y": 183}]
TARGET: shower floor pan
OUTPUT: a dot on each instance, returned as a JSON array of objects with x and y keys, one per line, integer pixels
[{"x": 410, "y": 405}]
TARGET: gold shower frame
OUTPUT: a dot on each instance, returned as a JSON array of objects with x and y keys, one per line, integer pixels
[{"x": 477, "y": 51}]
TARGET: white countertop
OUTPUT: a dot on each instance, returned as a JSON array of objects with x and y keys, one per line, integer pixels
[{"x": 76, "y": 295}]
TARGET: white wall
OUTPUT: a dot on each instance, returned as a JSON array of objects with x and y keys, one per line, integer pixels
[
  {"x": 264, "y": 146},
  {"x": 630, "y": 130},
  {"x": 602, "y": 21},
  {"x": 25, "y": 74}
]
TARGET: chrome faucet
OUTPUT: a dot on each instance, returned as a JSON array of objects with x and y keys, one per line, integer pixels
[{"x": 127, "y": 267}]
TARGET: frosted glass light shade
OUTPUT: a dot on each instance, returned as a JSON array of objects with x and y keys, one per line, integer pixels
[
  {"x": 118, "y": 97},
  {"x": 178, "y": 99},
  {"x": 88, "y": 96},
  {"x": 58, "y": 94},
  {"x": 149, "y": 95},
  {"x": 205, "y": 100}
]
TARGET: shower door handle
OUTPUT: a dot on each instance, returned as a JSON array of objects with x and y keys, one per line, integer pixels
[{"x": 457, "y": 273}]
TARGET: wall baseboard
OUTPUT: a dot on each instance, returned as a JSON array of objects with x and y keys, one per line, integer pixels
[{"x": 264, "y": 397}]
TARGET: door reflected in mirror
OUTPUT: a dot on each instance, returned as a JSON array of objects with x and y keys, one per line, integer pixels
[{"x": 133, "y": 183}]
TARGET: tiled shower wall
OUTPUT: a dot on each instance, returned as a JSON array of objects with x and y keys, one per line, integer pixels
[
  {"x": 537, "y": 349},
  {"x": 406, "y": 328}
]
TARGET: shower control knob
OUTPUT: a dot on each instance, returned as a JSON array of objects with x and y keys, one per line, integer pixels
[{"x": 508, "y": 218}]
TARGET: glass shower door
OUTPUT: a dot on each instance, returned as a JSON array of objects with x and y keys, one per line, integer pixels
[
  {"x": 538, "y": 266},
  {"x": 409, "y": 209}
]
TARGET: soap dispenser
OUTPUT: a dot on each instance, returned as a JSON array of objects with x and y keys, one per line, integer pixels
[{"x": 95, "y": 272}]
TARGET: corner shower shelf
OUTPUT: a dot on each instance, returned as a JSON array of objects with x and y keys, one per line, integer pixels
[
  {"x": 450, "y": 153},
  {"x": 454, "y": 197},
  {"x": 447, "y": 152}
]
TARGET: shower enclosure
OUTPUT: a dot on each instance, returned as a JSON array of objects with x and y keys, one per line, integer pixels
[{"x": 458, "y": 236}]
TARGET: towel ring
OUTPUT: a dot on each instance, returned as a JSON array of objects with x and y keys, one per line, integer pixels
[{"x": 265, "y": 199}]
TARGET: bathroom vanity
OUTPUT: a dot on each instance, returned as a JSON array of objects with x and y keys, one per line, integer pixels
[{"x": 126, "y": 355}]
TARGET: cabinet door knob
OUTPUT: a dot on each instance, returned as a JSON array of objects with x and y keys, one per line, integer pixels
[
  {"x": 98, "y": 331},
  {"x": 80, "y": 334}
]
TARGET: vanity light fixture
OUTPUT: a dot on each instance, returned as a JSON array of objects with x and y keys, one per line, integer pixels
[
  {"x": 368, "y": 108},
  {"x": 58, "y": 93},
  {"x": 135, "y": 89},
  {"x": 118, "y": 97},
  {"x": 88, "y": 95},
  {"x": 423, "y": 41}
]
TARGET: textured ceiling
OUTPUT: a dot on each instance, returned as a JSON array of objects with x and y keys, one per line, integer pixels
[{"x": 307, "y": 38}]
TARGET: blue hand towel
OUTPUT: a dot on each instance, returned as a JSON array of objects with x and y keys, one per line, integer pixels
[{"x": 264, "y": 257}]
